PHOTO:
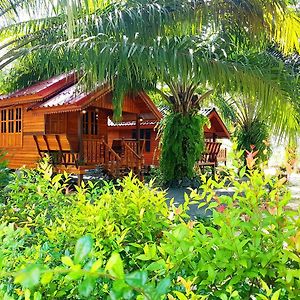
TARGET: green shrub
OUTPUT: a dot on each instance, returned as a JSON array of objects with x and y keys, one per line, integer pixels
[
  {"x": 123, "y": 242},
  {"x": 254, "y": 136},
  {"x": 4, "y": 176},
  {"x": 182, "y": 145},
  {"x": 35, "y": 197}
]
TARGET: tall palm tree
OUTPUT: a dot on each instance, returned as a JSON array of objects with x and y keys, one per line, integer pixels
[{"x": 182, "y": 44}]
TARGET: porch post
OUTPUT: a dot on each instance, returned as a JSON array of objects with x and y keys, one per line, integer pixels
[
  {"x": 79, "y": 132},
  {"x": 138, "y": 133},
  {"x": 214, "y": 137}
]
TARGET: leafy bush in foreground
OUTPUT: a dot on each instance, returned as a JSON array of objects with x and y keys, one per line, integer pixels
[
  {"x": 124, "y": 242},
  {"x": 4, "y": 176}
]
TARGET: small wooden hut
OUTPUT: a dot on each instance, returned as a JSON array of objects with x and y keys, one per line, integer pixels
[{"x": 55, "y": 117}]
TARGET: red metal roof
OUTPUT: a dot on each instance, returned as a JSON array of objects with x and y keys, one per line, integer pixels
[
  {"x": 63, "y": 93},
  {"x": 46, "y": 88},
  {"x": 70, "y": 96}
]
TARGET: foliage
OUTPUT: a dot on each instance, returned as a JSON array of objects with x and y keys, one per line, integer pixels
[
  {"x": 32, "y": 197},
  {"x": 291, "y": 155},
  {"x": 155, "y": 176},
  {"x": 4, "y": 176},
  {"x": 53, "y": 218},
  {"x": 182, "y": 145},
  {"x": 31, "y": 69},
  {"x": 254, "y": 136},
  {"x": 123, "y": 242}
]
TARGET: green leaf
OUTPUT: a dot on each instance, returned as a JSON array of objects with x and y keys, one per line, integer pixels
[
  {"x": 157, "y": 265},
  {"x": 243, "y": 262},
  {"x": 235, "y": 294},
  {"x": 223, "y": 297},
  {"x": 137, "y": 279},
  {"x": 242, "y": 172},
  {"x": 27, "y": 294},
  {"x": 37, "y": 296},
  {"x": 82, "y": 249},
  {"x": 86, "y": 286},
  {"x": 29, "y": 277},
  {"x": 96, "y": 265},
  {"x": 66, "y": 260},
  {"x": 163, "y": 286},
  {"x": 115, "y": 267},
  {"x": 266, "y": 288},
  {"x": 276, "y": 295},
  {"x": 46, "y": 277},
  {"x": 121, "y": 290},
  {"x": 263, "y": 297},
  {"x": 180, "y": 296}
]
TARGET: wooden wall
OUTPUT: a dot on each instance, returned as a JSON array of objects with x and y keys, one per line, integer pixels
[{"x": 26, "y": 155}]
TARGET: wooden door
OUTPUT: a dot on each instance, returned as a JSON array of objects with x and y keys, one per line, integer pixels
[{"x": 90, "y": 124}]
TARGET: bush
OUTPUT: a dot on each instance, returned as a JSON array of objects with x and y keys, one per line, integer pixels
[
  {"x": 254, "y": 135},
  {"x": 4, "y": 176},
  {"x": 182, "y": 145},
  {"x": 123, "y": 242}
]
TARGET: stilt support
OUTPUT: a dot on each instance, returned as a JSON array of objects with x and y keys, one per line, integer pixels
[{"x": 79, "y": 180}]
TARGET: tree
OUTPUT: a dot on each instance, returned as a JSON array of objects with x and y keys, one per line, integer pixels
[
  {"x": 181, "y": 44},
  {"x": 254, "y": 121}
]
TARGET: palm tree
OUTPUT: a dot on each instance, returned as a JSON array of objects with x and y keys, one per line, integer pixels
[
  {"x": 253, "y": 126},
  {"x": 182, "y": 44}
]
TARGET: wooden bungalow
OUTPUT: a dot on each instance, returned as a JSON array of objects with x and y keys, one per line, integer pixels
[
  {"x": 56, "y": 117},
  {"x": 74, "y": 128},
  {"x": 148, "y": 133}
]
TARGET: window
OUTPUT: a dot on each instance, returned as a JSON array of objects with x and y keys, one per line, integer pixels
[
  {"x": 11, "y": 120},
  {"x": 85, "y": 123},
  {"x": 18, "y": 120},
  {"x": 94, "y": 123},
  {"x": 90, "y": 123},
  {"x": 3, "y": 121},
  {"x": 11, "y": 127},
  {"x": 145, "y": 134}
]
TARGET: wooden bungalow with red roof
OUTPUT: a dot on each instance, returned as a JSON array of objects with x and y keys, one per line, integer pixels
[
  {"x": 55, "y": 117},
  {"x": 74, "y": 127},
  {"x": 148, "y": 133}
]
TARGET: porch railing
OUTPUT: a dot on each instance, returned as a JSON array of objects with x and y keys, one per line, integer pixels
[
  {"x": 98, "y": 152},
  {"x": 130, "y": 157}
]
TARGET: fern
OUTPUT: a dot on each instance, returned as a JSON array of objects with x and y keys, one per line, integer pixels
[
  {"x": 256, "y": 134},
  {"x": 182, "y": 145}
]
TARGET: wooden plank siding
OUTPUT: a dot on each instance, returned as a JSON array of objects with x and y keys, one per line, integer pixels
[
  {"x": 39, "y": 123},
  {"x": 26, "y": 153}
]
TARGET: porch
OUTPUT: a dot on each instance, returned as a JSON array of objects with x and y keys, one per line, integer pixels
[{"x": 123, "y": 156}]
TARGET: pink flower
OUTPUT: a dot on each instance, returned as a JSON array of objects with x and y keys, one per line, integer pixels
[{"x": 221, "y": 208}]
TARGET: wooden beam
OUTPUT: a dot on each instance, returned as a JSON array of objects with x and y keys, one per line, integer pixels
[
  {"x": 60, "y": 150},
  {"x": 47, "y": 143},
  {"x": 37, "y": 145},
  {"x": 79, "y": 133},
  {"x": 138, "y": 133}
]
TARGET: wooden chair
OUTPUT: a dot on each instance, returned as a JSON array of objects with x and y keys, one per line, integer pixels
[
  {"x": 58, "y": 147},
  {"x": 209, "y": 157}
]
